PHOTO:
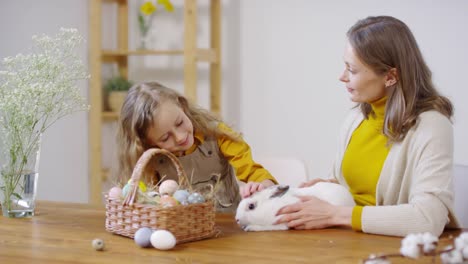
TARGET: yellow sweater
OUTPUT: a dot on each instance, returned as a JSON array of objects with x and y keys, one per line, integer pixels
[
  {"x": 364, "y": 158},
  {"x": 239, "y": 155}
]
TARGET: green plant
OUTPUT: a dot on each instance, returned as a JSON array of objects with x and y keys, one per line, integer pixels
[{"x": 117, "y": 84}]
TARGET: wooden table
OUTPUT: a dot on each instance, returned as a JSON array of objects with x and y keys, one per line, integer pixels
[{"x": 62, "y": 233}]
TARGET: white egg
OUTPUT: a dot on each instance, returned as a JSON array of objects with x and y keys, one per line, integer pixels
[
  {"x": 163, "y": 239},
  {"x": 115, "y": 193},
  {"x": 168, "y": 187}
]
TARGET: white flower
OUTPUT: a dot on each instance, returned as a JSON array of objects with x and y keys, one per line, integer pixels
[{"x": 36, "y": 90}]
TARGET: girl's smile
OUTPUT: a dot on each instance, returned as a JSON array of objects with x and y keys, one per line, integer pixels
[{"x": 172, "y": 130}]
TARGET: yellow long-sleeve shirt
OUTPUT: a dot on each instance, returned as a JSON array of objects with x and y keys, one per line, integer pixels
[
  {"x": 239, "y": 155},
  {"x": 364, "y": 159}
]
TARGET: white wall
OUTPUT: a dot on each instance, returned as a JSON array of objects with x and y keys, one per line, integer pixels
[
  {"x": 291, "y": 55},
  {"x": 63, "y": 171}
]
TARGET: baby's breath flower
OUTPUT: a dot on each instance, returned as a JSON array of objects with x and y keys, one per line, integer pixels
[{"x": 36, "y": 90}]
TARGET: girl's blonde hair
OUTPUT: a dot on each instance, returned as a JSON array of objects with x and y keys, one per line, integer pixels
[
  {"x": 384, "y": 43},
  {"x": 137, "y": 115}
]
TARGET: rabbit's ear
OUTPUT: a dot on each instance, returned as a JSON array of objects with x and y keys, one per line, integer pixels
[{"x": 280, "y": 191}]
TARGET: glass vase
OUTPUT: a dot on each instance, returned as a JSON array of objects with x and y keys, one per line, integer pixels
[
  {"x": 143, "y": 42},
  {"x": 19, "y": 182}
]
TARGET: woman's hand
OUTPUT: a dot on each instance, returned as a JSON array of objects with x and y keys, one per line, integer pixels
[
  {"x": 253, "y": 187},
  {"x": 314, "y": 181},
  {"x": 313, "y": 213}
]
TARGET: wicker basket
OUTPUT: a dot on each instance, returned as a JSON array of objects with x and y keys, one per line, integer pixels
[{"x": 187, "y": 222}]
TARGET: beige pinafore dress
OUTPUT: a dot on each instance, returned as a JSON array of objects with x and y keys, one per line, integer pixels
[{"x": 201, "y": 167}]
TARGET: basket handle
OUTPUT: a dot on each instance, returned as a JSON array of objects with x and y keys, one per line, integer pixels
[{"x": 140, "y": 166}]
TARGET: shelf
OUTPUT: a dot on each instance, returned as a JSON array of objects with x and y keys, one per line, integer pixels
[
  {"x": 208, "y": 55},
  {"x": 111, "y": 53},
  {"x": 110, "y": 116},
  {"x": 120, "y": 55}
]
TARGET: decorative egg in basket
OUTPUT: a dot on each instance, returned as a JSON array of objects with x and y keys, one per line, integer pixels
[{"x": 172, "y": 207}]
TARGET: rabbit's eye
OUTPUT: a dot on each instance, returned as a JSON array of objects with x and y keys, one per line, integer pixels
[{"x": 251, "y": 206}]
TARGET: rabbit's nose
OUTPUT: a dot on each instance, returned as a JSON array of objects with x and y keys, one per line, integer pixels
[{"x": 237, "y": 220}]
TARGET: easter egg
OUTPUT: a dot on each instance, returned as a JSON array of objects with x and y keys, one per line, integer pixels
[
  {"x": 98, "y": 244},
  {"x": 163, "y": 239},
  {"x": 142, "y": 236},
  {"x": 181, "y": 196},
  {"x": 126, "y": 188},
  {"x": 167, "y": 201},
  {"x": 141, "y": 185},
  {"x": 195, "y": 198},
  {"x": 168, "y": 187},
  {"x": 152, "y": 194},
  {"x": 115, "y": 193}
]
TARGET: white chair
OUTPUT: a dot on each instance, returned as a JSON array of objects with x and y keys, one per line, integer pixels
[
  {"x": 286, "y": 170},
  {"x": 460, "y": 182}
]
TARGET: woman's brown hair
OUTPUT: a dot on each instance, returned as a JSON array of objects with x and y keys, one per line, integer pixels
[{"x": 384, "y": 43}]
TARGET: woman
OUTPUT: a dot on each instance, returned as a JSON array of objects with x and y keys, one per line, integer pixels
[{"x": 396, "y": 147}]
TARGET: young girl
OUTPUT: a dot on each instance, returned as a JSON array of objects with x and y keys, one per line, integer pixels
[{"x": 154, "y": 116}]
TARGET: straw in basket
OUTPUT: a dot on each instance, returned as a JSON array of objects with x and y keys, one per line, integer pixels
[{"x": 187, "y": 222}]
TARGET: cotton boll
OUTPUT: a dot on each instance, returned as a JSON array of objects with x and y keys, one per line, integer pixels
[
  {"x": 142, "y": 236},
  {"x": 168, "y": 187},
  {"x": 377, "y": 261},
  {"x": 465, "y": 252},
  {"x": 410, "y": 245},
  {"x": 452, "y": 257},
  {"x": 163, "y": 239},
  {"x": 411, "y": 251},
  {"x": 430, "y": 242},
  {"x": 461, "y": 241}
]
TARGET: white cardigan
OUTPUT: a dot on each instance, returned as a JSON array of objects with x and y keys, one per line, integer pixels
[{"x": 414, "y": 192}]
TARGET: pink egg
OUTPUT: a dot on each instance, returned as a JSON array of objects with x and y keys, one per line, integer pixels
[
  {"x": 168, "y": 187},
  {"x": 115, "y": 193},
  {"x": 167, "y": 201}
]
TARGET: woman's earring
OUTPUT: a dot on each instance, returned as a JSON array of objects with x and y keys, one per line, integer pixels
[{"x": 390, "y": 83}]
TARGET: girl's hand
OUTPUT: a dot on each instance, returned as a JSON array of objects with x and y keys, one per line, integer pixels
[
  {"x": 313, "y": 213},
  {"x": 314, "y": 181},
  {"x": 253, "y": 187}
]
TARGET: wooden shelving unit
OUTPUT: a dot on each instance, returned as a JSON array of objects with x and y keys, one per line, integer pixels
[{"x": 97, "y": 57}]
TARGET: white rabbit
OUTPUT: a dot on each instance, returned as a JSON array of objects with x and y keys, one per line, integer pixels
[{"x": 258, "y": 212}]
